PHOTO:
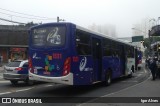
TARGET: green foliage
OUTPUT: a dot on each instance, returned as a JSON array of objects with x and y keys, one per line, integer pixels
[{"x": 148, "y": 41}]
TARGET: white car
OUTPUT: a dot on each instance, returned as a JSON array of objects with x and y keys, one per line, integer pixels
[{"x": 17, "y": 71}]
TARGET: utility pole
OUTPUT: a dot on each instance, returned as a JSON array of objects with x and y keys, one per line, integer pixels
[{"x": 58, "y": 19}]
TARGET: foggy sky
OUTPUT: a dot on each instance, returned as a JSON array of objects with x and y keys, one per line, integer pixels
[{"x": 121, "y": 13}]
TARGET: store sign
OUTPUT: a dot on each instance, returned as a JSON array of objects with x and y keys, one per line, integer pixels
[
  {"x": 18, "y": 49},
  {"x": 137, "y": 38}
]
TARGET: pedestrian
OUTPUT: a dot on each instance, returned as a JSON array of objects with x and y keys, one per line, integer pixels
[
  {"x": 158, "y": 69},
  {"x": 153, "y": 67},
  {"x": 146, "y": 62}
]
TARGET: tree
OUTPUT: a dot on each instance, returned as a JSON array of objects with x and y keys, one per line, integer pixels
[{"x": 147, "y": 42}]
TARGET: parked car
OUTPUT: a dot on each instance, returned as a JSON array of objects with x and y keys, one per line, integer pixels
[{"x": 17, "y": 71}]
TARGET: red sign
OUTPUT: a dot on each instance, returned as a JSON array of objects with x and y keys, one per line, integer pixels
[
  {"x": 75, "y": 58},
  {"x": 57, "y": 56},
  {"x": 18, "y": 49}
]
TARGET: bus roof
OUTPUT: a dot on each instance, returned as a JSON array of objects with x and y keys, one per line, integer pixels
[
  {"x": 102, "y": 35},
  {"x": 84, "y": 29}
]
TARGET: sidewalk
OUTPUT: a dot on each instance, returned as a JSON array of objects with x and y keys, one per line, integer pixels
[
  {"x": 1, "y": 72},
  {"x": 1, "y": 69}
]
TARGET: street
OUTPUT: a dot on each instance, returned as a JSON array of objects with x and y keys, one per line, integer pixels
[
  {"x": 140, "y": 85},
  {"x": 80, "y": 53}
]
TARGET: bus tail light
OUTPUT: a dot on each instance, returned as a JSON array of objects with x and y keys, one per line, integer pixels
[
  {"x": 30, "y": 65},
  {"x": 67, "y": 66}
]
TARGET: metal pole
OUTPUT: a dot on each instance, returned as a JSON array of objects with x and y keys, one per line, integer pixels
[{"x": 57, "y": 19}]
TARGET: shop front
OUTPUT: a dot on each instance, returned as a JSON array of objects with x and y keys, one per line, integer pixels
[{"x": 18, "y": 53}]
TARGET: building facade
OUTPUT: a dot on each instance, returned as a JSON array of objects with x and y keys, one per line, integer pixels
[{"x": 13, "y": 42}]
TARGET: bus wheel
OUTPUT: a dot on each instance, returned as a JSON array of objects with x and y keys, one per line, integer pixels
[{"x": 108, "y": 78}]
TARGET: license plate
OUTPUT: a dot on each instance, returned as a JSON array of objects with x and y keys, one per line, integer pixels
[{"x": 9, "y": 70}]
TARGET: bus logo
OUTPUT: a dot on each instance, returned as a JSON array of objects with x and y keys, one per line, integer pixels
[
  {"x": 83, "y": 64},
  {"x": 35, "y": 56}
]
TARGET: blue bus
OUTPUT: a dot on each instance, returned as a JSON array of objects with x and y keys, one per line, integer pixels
[
  {"x": 139, "y": 59},
  {"x": 68, "y": 54}
]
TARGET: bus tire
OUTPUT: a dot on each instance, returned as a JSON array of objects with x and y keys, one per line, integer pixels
[{"x": 108, "y": 78}]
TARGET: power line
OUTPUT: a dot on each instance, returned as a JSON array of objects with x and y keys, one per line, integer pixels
[
  {"x": 24, "y": 17},
  {"x": 11, "y": 21},
  {"x": 26, "y": 14}
]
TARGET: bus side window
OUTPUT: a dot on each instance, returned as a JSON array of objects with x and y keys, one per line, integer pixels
[
  {"x": 83, "y": 46},
  {"x": 117, "y": 54},
  {"x": 107, "y": 47},
  {"x": 83, "y": 49},
  {"x": 107, "y": 52}
]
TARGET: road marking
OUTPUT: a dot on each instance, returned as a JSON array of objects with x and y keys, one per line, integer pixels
[
  {"x": 139, "y": 74},
  {"x": 129, "y": 81},
  {"x": 24, "y": 89},
  {"x": 115, "y": 92},
  {"x": 5, "y": 93},
  {"x": 48, "y": 85},
  {"x": 13, "y": 91},
  {"x": 127, "y": 88}
]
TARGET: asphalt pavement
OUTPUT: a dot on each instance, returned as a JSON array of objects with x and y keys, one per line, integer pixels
[{"x": 146, "y": 93}]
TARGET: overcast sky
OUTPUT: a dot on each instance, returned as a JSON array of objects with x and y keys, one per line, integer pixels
[{"x": 121, "y": 13}]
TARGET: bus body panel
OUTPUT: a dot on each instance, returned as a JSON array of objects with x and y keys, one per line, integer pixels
[
  {"x": 63, "y": 64},
  {"x": 48, "y": 63},
  {"x": 68, "y": 79},
  {"x": 83, "y": 70},
  {"x": 113, "y": 64}
]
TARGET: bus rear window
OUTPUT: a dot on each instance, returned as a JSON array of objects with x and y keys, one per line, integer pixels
[{"x": 49, "y": 36}]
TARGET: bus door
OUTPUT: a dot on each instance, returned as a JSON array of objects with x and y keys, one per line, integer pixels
[
  {"x": 97, "y": 59},
  {"x": 136, "y": 59},
  {"x": 123, "y": 59}
]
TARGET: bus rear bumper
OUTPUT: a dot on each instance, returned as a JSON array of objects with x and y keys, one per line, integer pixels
[{"x": 68, "y": 79}]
